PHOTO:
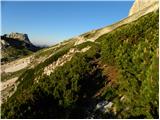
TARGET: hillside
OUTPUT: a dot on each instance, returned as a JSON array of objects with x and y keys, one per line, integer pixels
[
  {"x": 110, "y": 74},
  {"x": 14, "y": 46},
  {"x": 143, "y": 9}
]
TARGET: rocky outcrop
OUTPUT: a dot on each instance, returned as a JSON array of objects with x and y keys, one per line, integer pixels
[
  {"x": 18, "y": 36},
  {"x": 16, "y": 65},
  {"x": 62, "y": 60},
  {"x": 8, "y": 88},
  {"x": 141, "y": 5},
  {"x": 17, "y": 40}
]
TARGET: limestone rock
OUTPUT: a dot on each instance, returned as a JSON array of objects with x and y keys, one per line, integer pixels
[
  {"x": 141, "y": 5},
  {"x": 18, "y": 36}
]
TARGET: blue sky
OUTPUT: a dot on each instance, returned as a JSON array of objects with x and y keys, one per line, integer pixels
[{"x": 51, "y": 22}]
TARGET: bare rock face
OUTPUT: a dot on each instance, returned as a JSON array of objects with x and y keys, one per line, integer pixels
[
  {"x": 19, "y": 36},
  {"x": 141, "y": 5},
  {"x": 17, "y": 40}
]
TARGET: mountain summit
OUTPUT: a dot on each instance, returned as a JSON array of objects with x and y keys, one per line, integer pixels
[{"x": 18, "y": 36}]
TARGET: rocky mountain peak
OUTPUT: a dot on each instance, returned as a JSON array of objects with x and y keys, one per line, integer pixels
[
  {"x": 18, "y": 36},
  {"x": 14, "y": 46},
  {"x": 140, "y": 5}
]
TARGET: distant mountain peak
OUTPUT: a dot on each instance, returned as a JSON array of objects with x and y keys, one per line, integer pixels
[{"x": 18, "y": 36}]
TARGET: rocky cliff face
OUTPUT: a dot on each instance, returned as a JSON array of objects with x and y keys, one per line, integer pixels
[
  {"x": 141, "y": 5},
  {"x": 17, "y": 40},
  {"x": 18, "y": 36}
]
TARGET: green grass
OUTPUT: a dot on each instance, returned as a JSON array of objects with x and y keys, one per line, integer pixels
[
  {"x": 30, "y": 75},
  {"x": 89, "y": 35},
  {"x": 85, "y": 44},
  {"x": 132, "y": 49}
]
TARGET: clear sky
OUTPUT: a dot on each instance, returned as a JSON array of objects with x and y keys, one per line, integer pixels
[{"x": 49, "y": 22}]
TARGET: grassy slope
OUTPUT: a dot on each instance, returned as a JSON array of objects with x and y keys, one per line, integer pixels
[
  {"x": 69, "y": 91},
  {"x": 46, "y": 52},
  {"x": 133, "y": 50},
  {"x": 11, "y": 53}
]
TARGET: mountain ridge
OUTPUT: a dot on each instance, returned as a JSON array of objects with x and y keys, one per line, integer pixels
[{"x": 132, "y": 17}]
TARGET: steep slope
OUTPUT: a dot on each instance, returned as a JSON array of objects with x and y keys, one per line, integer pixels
[
  {"x": 151, "y": 6},
  {"x": 89, "y": 36},
  {"x": 13, "y": 70},
  {"x": 14, "y": 46},
  {"x": 114, "y": 77}
]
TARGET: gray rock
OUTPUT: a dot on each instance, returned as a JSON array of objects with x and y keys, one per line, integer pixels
[
  {"x": 101, "y": 104},
  {"x": 104, "y": 106},
  {"x": 19, "y": 36}
]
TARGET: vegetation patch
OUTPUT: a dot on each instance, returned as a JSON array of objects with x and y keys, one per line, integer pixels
[
  {"x": 7, "y": 76},
  {"x": 127, "y": 77},
  {"x": 132, "y": 48}
]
